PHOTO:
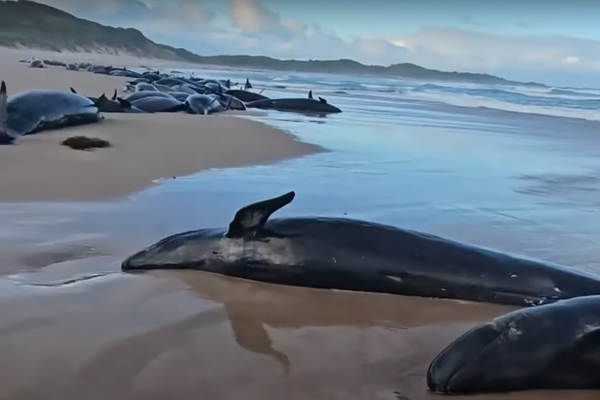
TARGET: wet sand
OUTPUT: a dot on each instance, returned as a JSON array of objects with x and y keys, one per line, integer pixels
[
  {"x": 179, "y": 335},
  {"x": 146, "y": 148}
]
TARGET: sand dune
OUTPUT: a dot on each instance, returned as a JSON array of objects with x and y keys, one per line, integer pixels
[{"x": 145, "y": 147}]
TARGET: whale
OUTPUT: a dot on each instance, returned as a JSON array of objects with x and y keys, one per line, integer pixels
[
  {"x": 552, "y": 346},
  {"x": 356, "y": 255},
  {"x": 135, "y": 96},
  {"x": 145, "y": 87},
  {"x": 159, "y": 104},
  {"x": 34, "y": 111},
  {"x": 303, "y": 104},
  {"x": 203, "y": 104},
  {"x": 246, "y": 95}
]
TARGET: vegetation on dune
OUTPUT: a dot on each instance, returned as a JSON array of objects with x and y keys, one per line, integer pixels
[{"x": 34, "y": 25}]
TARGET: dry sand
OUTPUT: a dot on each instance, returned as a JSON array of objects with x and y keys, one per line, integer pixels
[{"x": 145, "y": 147}]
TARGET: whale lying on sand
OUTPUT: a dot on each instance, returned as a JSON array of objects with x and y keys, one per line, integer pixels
[
  {"x": 555, "y": 346},
  {"x": 303, "y": 104},
  {"x": 245, "y": 95},
  {"x": 157, "y": 104},
  {"x": 37, "y": 110},
  {"x": 112, "y": 105},
  {"x": 347, "y": 254}
]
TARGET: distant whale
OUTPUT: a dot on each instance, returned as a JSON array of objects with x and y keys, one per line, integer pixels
[
  {"x": 135, "y": 96},
  {"x": 245, "y": 95},
  {"x": 38, "y": 110},
  {"x": 159, "y": 104},
  {"x": 555, "y": 346},
  {"x": 340, "y": 253},
  {"x": 203, "y": 104},
  {"x": 302, "y": 104}
]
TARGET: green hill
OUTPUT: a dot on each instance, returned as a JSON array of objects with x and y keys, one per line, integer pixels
[{"x": 34, "y": 25}]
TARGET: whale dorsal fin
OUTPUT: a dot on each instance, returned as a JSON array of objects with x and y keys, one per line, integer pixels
[
  {"x": 114, "y": 95},
  {"x": 253, "y": 217},
  {"x": 322, "y": 100},
  {"x": 73, "y": 90},
  {"x": 310, "y": 96},
  {"x": 124, "y": 103},
  {"x": 3, "y": 112}
]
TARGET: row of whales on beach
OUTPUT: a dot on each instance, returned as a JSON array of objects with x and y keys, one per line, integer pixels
[
  {"x": 551, "y": 342},
  {"x": 38, "y": 110},
  {"x": 179, "y": 89}
]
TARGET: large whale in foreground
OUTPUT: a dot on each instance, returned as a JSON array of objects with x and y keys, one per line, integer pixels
[
  {"x": 554, "y": 346},
  {"x": 340, "y": 253}
]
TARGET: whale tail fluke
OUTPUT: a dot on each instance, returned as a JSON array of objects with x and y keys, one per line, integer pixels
[
  {"x": 253, "y": 217},
  {"x": 5, "y": 138}
]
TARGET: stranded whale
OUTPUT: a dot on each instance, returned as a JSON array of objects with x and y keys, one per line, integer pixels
[
  {"x": 555, "y": 346},
  {"x": 347, "y": 254},
  {"x": 303, "y": 104},
  {"x": 38, "y": 110}
]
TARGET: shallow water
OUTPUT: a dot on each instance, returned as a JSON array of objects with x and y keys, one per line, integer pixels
[{"x": 511, "y": 181}]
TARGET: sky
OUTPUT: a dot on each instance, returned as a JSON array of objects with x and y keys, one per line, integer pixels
[{"x": 554, "y": 42}]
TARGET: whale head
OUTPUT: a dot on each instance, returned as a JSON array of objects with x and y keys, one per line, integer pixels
[
  {"x": 211, "y": 250},
  {"x": 543, "y": 347}
]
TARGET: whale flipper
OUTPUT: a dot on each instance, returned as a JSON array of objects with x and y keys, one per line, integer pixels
[
  {"x": 253, "y": 217},
  {"x": 310, "y": 96}
]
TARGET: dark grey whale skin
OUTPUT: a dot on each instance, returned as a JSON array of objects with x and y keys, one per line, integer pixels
[
  {"x": 554, "y": 346},
  {"x": 347, "y": 254},
  {"x": 303, "y": 104},
  {"x": 39, "y": 110}
]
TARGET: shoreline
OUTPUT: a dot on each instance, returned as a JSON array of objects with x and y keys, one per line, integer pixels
[{"x": 146, "y": 148}]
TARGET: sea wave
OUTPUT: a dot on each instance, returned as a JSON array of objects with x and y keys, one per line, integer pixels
[{"x": 583, "y": 103}]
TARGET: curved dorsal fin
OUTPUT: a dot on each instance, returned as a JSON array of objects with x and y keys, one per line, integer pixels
[
  {"x": 254, "y": 216},
  {"x": 114, "y": 95},
  {"x": 73, "y": 90},
  {"x": 310, "y": 96}
]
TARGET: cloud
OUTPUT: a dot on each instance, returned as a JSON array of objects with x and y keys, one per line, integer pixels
[
  {"x": 214, "y": 27},
  {"x": 463, "y": 49}
]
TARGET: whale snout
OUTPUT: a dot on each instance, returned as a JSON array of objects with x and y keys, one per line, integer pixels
[
  {"x": 138, "y": 261},
  {"x": 460, "y": 367}
]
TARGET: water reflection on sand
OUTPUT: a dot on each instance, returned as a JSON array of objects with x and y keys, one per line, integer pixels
[{"x": 183, "y": 335}]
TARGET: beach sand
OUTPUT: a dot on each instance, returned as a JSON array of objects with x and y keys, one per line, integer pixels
[
  {"x": 183, "y": 335},
  {"x": 145, "y": 148}
]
